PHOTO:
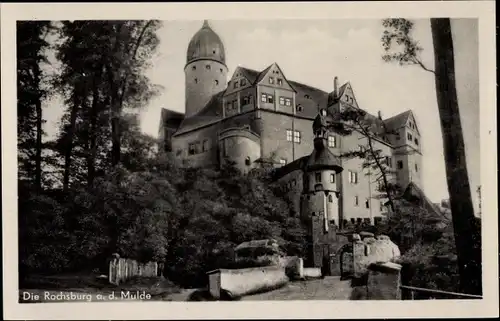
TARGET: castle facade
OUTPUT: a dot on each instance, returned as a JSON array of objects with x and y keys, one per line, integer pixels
[{"x": 261, "y": 116}]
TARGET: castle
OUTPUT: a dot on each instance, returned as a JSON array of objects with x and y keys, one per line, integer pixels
[{"x": 261, "y": 116}]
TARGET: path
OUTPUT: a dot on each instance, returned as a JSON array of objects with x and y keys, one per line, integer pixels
[{"x": 329, "y": 288}]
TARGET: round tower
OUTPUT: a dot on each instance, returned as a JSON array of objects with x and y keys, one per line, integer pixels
[{"x": 205, "y": 70}]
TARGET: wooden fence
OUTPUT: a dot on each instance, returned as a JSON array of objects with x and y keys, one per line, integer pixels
[{"x": 121, "y": 269}]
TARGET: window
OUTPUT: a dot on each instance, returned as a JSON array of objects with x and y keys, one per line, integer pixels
[
  {"x": 388, "y": 161},
  {"x": 221, "y": 70},
  {"x": 205, "y": 145},
  {"x": 331, "y": 141},
  {"x": 243, "y": 82},
  {"x": 282, "y": 162},
  {"x": 330, "y": 198},
  {"x": 192, "y": 149},
  {"x": 356, "y": 200},
  {"x": 282, "y": 100},
  {"x": 270, "y": 99},
  {"x": 235, "y": 104},
  {"x": 213, "y": 51},
  {"x": 263, "y": 98},
  {"x": 194, "y": 68},
  {"x": 367, "y": 203},
  {"x": 416, "y": 141},
  {"x": 235, "y": 85},
  {"x": 367, "y": 220},
  {"x": 307, "y": 96},
  {"x": 358, "y": 220},
  {"x": 409, "y": 137},
  {"x": 317, "y": 176},
  {"x": 196, "y": 80},
  {"x": 216, "y": 82},
  {"x": 381, "y": 206},
  {"x": 208, "y": 67},
  {"x": 280, "y": 81},
  {"x": 353, "y": 177},
  {"x": 299, "y": 107},
  {"x": 296, "y": 137},
  {"x": 288, "y": 102},
  {"x": 289, "y": 135},
  {"x": 416, "y": 168},
  {"x": 271, "y": 80},
  {"x": 332, "y": 178},
  {"x": 400, "y": 164},
  {"x": 353, "y": 221}
]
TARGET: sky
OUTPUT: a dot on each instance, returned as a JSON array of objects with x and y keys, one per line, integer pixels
[{"x": 313, "y": 52}]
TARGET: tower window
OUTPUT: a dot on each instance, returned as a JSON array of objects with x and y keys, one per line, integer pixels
[
  {"x": 196, "y": 80},
  {"x": 194, "y": 67},
  {"x": 216, "y": 82},
  {"x": 416, "y": 168},
  {"x": 332, "y": 178},
  {"x": 208, "y": 67},
  {"x": 356, "y": 200},
  {"x": 367, "y": 203},
  {"x": 353, "y": 177},
  {"x": 299, "y": 107},
  {"x": 271, "y": 80},
  {"x": 331, "y": 141},
  {"x": 296, "y": 137},
  {"x": 221, "y": 70},
  {"x": 330, "y": 198},
  {"x": 280, "y": 81},
  {"x": 400, "y": 164},
  {"x": 317, "y": 176}
]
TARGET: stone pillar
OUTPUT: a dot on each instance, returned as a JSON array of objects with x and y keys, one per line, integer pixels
[{"x": 384, "y": 281}]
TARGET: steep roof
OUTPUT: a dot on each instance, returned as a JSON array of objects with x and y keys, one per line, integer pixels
[
  {"x": 171, "y": 118},
  {"x": 323, "y": 158},
  {"x": 414, "y": 193},
  {"x": 210, "y": 114},
  {"x": 398, "y": 120}
]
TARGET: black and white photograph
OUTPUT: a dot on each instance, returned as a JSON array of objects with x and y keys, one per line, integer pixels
[{"x": 260, "y": 158}]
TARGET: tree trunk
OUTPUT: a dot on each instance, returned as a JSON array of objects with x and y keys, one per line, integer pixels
[
  {"x": 93, "y": 129},
  {"x": 69, "y": 143},
  {"x": 38, "y": 155},
  {"x": 467, "y": 235}
]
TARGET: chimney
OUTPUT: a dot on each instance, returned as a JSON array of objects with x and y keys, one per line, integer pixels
[
  {"x": 335, "y": 87},
  {"x": 379, "y": 115}
]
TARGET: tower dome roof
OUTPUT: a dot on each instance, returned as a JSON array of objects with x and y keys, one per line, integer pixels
[{"x": 206, "y": 44}]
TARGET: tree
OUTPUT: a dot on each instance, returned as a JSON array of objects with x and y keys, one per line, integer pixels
[
  {"x": 467, "y": 234},
  {"x": 31, "y": 55},
  {"x": 353, "y": 120}
]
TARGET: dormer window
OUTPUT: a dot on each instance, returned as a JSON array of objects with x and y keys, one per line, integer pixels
[
  {"x": 280, "y": 81},
  {"x": 271, "y": 80}
]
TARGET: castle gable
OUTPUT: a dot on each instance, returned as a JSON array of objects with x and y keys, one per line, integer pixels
[
  {"x": 398, "y": 121},
  {"x": 346, "y": 95},
  {"x": 242, "y": 78},
  {"x": 273, "y": 76}
]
